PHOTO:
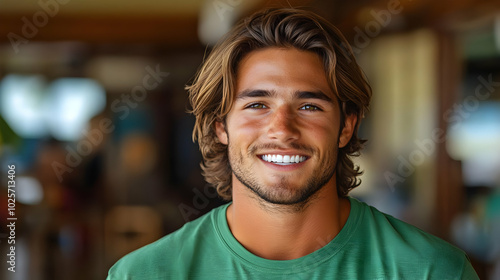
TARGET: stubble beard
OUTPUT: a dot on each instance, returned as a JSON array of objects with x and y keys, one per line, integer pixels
[{"x": 283, "y": 196}]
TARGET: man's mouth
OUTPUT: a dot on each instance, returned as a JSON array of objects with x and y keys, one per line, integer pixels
[{"x": 283, "y": 159}]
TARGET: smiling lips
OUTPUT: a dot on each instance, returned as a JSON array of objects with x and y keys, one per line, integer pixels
[{"x": 283, "y": 159}]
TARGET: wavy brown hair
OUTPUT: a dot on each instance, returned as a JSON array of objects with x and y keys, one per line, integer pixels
[{"x": 212, "y": 92}]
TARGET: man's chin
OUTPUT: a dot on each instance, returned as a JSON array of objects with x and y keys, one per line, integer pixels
[
  {"x": 285, "y": 203},
  {"x": 283, "y": 194},
  {"x": 280, "y": 191}
]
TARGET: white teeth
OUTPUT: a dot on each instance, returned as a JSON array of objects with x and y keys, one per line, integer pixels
[
  {"x": 283, "y": 159},
  {"x": 286, "y": 159},
  {"x": 279, "y": 158}
]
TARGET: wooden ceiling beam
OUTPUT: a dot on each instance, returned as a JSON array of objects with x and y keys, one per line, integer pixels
[{"x": 172, "y": 31}]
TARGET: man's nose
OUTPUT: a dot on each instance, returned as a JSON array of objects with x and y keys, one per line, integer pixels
[{"x": 282, "y": 125}]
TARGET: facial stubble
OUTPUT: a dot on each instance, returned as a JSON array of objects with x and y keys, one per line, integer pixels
[{"x": 283, "y": 195}]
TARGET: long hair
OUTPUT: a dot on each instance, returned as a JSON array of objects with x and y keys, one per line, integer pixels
[{"x": 212, "y": 92}]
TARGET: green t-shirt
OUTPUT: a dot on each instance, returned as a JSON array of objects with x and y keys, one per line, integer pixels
[{"x": 371, "y": 245}]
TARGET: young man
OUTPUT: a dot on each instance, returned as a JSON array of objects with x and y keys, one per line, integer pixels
[{"x": 278, "y": 103}]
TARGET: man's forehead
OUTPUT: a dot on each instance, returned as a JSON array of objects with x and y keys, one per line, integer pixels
[
  {"x": 263, "y": 54},
  {"x": 283, "y": 68}
]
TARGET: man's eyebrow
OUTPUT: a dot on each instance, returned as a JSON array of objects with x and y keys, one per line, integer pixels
[
  {"x": 248, "y": 93},
  {"x": 255, "y": 93},
  {"x": 313, "y": 95}
]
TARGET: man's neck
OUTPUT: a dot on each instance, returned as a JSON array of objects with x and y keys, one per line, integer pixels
[{"x": 284, "y": 235}]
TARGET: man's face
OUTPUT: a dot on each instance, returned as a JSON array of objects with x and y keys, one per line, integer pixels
[{"x": 283, "y": 131}]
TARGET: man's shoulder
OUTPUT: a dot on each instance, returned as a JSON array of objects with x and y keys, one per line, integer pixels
[
  {"x": 400, "y": 234},
  {"x": 166, "y": 251},
  {"x": 404, "y": 243}
]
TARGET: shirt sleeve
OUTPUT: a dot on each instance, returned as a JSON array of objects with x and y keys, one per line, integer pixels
[{"x": 468, "y": 272}]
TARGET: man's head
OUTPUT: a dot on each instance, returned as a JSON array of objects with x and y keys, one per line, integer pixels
[{"x": 292, "y": 33}]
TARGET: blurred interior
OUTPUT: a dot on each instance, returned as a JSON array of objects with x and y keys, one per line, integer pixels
[{"x": 93, "y": 115}]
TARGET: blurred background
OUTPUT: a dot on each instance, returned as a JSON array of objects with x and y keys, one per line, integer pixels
[{"x": 93, "y": 117}]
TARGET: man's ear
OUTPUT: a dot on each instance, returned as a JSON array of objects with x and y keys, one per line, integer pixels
[
  {"x": 221, "y": 132},
  {"x": 348, "y": 130}
]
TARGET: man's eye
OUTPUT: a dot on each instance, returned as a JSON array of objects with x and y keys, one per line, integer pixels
[
  {"x": 257, "y": 106},
  {"x": 310, "y": 108}
]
